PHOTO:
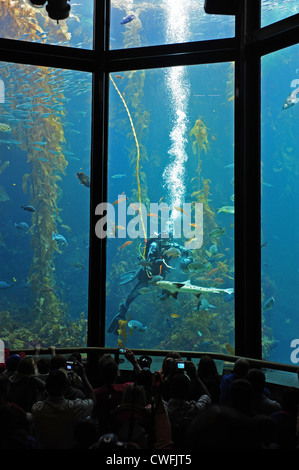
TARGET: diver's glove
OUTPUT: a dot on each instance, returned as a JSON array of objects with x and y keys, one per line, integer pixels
[{"x": 158, "y": 262}]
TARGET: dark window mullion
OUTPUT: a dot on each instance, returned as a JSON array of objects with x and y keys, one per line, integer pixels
[{"x": 247, "y": 189}]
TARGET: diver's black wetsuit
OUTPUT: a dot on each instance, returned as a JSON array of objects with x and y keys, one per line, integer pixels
[{"x": 157, "y": 266}]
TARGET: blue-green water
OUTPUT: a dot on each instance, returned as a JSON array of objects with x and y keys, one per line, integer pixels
[{"x": 171, "y": 136}]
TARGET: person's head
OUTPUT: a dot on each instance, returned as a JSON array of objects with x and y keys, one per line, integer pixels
[
  {"x": 241, "y": 367},
  {"x": 43, "y": 365},
  {"x": 241, "y": 393},
  {"x": 12, "y": 361},
  {"x": 75, "y": 356},
  {"x": 26, "y": 366},
  {"x": 206, "y": 367},
  {"x": 168, "y": 362},
  {"x": 108, "y": 371},
  {"x": 179, "y": 386},
  {"x": 56, "y": 383},
  {"x": 58, "y": 362},
  {"x": 134, "y": 395},
  {"x": 258, "y": 379}
]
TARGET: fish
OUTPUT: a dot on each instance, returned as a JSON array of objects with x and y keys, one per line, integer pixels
[
  {"x": 39, "y": 142},
  {"x": 203, "y": 304},
  {"x": 118, "y": 176},
  {"x": 4, "y": 285},
  {"x": 227, "y": 210},
  {"x": 59, "y": 239},
  {"x": 4, "y": 127},
  {"x": 144, "y": 290},
  {"x": 155, "y": 279},
  {"x": 78, "y": 266},
  {"x": 217, "y": 232},
  {"x": 136, "y": 325},
  {"x": 28, "y": 208},
  {"x": 22, "y": 226},
  {"x": 127, "y": 19},
  {"x": 174, "y": 315},
  {"x": 213, "y": 250},
  {"x": 291, "y": 99},
  {"x": 180, "y": 210},
  {"x": 125, "y": 244},
  {"x": 175, "y": 287},
  {"x": 172, "y": 252},
  {"x": 121, "y": 199},
  {"x": 268, "y": 304},
  {"x": 83, "y": 178},
  {"x": 197, "y": 267}
]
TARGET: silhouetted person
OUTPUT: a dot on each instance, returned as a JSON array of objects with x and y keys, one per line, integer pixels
[
  {"x": 261, "y": 404},
  {"x": 208, "y": 374},
  {"x": 240, "y": 370}
]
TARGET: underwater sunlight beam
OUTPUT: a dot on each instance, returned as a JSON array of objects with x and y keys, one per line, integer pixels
[{"x": 178, "y": 89}]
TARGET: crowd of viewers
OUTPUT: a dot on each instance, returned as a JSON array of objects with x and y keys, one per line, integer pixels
[{"x": 50, "y": 403}]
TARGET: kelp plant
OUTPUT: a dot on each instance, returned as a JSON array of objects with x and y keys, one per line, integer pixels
[{"x": 48, "y": 165}]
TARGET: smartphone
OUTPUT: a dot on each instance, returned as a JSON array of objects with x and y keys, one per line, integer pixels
[{"x": 181, "y": 365}]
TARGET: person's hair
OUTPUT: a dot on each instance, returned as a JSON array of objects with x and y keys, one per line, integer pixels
[
  {"x": 241, "y": 392},
  {"x": 241, "y": 367},
  {"x": 43, "y": 365},
  {"x": 168, "y": 361},
  {"x": 58, "y": 362},
  {"x": 206, "y": 367},
  {"x": 56, "y": 382},
  {"x": 109, "y": 371},
  {"x": 179, "y": 386},
  {"x": 75, "y": 356},
  {"x": 258, "y": 379},
  {"x": 26, "y": 366},
  {"x": 134, "y": 395}
]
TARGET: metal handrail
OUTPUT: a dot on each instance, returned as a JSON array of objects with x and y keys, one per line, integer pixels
[{"x": 190, "y": 355}]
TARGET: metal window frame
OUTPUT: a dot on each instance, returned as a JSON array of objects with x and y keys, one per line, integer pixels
[{"x": 250, "y": 43}]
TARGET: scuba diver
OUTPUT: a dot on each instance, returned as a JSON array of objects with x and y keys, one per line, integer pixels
[{"x": 153, "y": 267}]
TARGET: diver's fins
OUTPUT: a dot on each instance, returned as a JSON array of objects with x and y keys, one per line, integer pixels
[
  {"x": 128, "y": 276},
  {"x": 121, "y": 315},
  {"x": 114, "y": 324}
]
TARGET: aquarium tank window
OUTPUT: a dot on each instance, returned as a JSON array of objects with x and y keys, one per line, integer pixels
[
  {"x": 273, "y": 11},
  {"x": 151, "y": 23},
  {"x": 21, "y": 20},
  {"x": 44, "y": 205},
  {"x": 171, "y": 182},
  {"x": 280, "y": 213}
]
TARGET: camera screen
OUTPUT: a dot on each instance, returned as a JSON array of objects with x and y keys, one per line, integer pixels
[{"x": 181, "y": 365}]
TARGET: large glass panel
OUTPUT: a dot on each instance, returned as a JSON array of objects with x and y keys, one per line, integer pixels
[
  {"x": 20, "y": 20},
  {"x": 171, "y": 155},
  {"x": 149, "y": 23},
  {"x": 273, "y": 10},
  {"x": 280, "y": 195},
  {"x": 44, "y": 210}
]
